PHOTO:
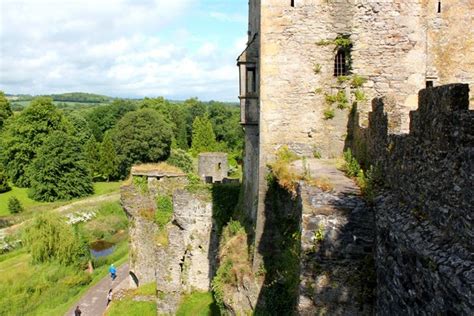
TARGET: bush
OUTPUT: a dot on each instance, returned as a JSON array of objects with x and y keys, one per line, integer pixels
[
  {"x": 48, "y": 238},
  {"x": 181, "y": 159},
  {"x": 14, "y": 205},
  {"x": 4, "y": 187}
]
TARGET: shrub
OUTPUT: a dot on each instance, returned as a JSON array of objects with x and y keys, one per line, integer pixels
[
  {"x": 360, "y": 96},
  {"x": 352, "y": 167},
  {"x": 181, "y": 159},
  {"x": 358, "y": 81},
  {"x": 14, "y": 205},
  {"x": 329, "y": 114}
]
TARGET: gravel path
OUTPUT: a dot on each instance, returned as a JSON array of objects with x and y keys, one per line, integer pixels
[{"x": 94, "y": 301}]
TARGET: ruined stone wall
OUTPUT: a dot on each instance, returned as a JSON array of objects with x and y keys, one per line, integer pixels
[
  {"x": 179, "y": 256},
  {"x": 424, "y": 252}
]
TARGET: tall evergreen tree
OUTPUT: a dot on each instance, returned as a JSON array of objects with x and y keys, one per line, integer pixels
[
  {"x": 107, "y": 158},
  {"x": 59, "y": 172},
  {"x": 204, "y": 138},
  {"x": 92, "y": 155}
]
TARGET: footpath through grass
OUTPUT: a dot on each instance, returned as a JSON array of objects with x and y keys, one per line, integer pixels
[
  {"x": 46, "y": 289},
  {"x": 100, "y": 188}
]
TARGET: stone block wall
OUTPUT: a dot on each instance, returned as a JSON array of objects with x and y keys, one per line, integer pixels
[
  {"x": 424, "y": 227},
  {"x": 213, "y": 165}
]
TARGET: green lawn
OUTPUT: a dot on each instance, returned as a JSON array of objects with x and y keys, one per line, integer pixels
[{"x": 100, "y": 188}]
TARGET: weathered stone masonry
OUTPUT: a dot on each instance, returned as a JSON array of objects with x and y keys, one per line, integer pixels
[{"x": 424, "y": 220}]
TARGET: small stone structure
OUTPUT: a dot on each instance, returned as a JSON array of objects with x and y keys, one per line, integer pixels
[{"x": 213, "y": 167}]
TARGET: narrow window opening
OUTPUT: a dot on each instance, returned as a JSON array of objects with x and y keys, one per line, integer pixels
[
  {"x": 292, "y": 3},
  {"x": 439, "y": 6},
  {"x": 429, "y": 84},
  {"x": 340, "y": 67},
  {"x": 219, "y": 166},
  {"x": 251, "y": 80}
]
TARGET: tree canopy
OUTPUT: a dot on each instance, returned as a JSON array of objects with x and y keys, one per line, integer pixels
[
  {"x": 204, "y": 138},
  {"x": 142, "y": 136},
  {"x": 26, "y": 133},
  {"x": 59, "y": 172}
]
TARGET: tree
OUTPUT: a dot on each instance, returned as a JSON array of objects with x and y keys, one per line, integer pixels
[
  {"x": 194, "y": 108},
  {"x": 92, "y": 156},
  {"x": 59, "y": 172},
  {"x": 107, "y": 158},
  {"x": 141, "y": 136},
  {"x": 79, "y": 128},
  {"x": 104, "y": 118},
  {"x": 4, "y": 187},
  {"x": 26, "y": 133},
  {"x": 14, "y": 205},
  {"x": 49, "y": 238},
  {"x": 203, "y": 136},
  {"x": 5, "y": 109}
]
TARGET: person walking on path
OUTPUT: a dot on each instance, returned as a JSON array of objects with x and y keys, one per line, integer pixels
[
  {"x": 77, "y": 311},
  {"x": 109, "y": 297},
  {"x": 113, "y": 272}
]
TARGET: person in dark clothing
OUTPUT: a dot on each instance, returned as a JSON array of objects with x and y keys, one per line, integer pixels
[
  {"x": 77, "y": 311},
  {"x": 109, "y": 297}
]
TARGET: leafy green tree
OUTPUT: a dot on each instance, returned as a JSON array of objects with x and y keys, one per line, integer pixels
[
  {"x": 48, "y": 238},
  {"x": 92, "y": 156},
  {"x": 4, "y": 187},
  {"x": 59, "y": 172},
  {"x": 5, "y": 109},
  {"x": 204, "y": 139},
  {"x": 14, "y": 205},
  {"x": 26, "y": 133},
  {"x": 79, "y": 128},
  {"x": 141, "y": 136},
  {"x": 107, "y": 158}
]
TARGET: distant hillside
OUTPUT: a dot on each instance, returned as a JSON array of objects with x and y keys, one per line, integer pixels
[{"x": 80, "y": 97}]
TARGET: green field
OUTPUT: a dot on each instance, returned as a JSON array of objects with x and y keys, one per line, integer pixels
[
  {"x": 51, "y": 288},
  {"x": 100, "y": 188}
]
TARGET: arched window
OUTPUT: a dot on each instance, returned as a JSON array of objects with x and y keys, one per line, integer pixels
[{"x": 340, "y": 67}]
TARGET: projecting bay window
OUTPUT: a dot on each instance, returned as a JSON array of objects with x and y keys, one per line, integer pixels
[{"x": 248, "y": 92}]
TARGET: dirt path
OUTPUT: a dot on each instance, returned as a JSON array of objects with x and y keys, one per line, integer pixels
[
  {"x": 111, "y": 197},
  {"x": 94, "y": 301}
]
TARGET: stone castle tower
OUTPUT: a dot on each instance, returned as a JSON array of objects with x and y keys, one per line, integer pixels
[{"x": 308, "y": 62}]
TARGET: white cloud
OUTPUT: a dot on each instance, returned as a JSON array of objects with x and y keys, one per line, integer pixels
[{"x": 114, "y": 47}]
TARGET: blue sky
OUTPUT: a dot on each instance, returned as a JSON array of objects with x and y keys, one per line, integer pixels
[{"x": 126, "y": 48}]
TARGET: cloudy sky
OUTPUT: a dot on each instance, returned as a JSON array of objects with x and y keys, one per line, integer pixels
[{"x": 125, "y": 48}]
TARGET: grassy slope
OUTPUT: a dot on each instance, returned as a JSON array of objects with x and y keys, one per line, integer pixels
[
  {"x": 198, "y": 304},
  {"x": 51, "y": 289},
  {"x": 30, "y": 205}
]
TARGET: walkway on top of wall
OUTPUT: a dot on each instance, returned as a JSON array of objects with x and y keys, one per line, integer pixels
[{"x": 337, "y": 272}]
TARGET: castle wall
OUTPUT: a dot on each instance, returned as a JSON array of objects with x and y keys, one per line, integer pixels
[
  {"x": 450, "y": 38},
  {"x": 424, "y": 227}
]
